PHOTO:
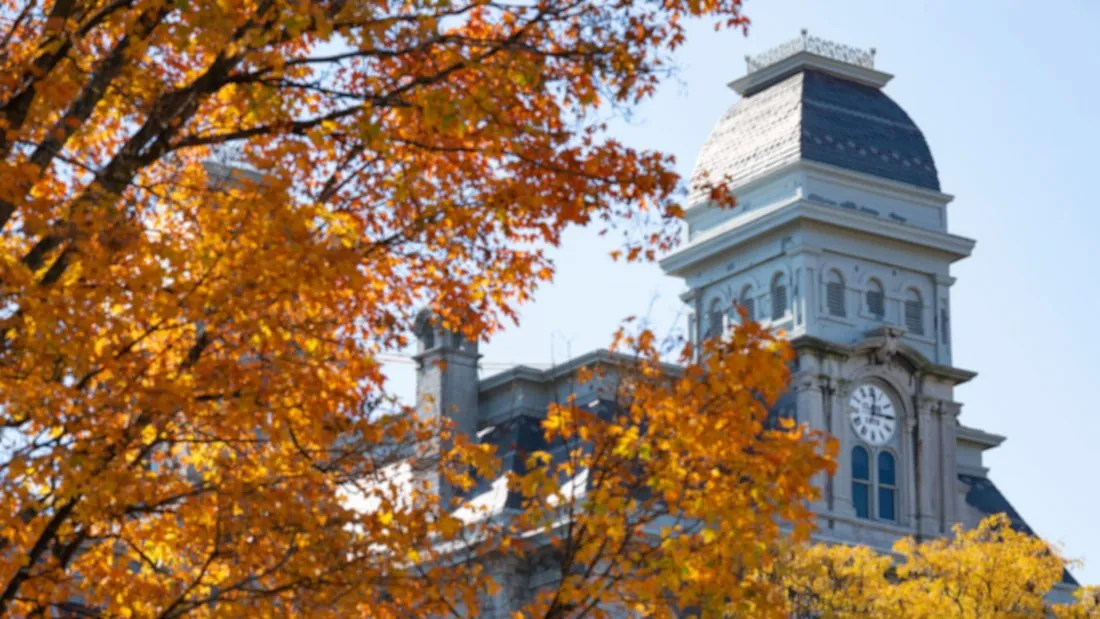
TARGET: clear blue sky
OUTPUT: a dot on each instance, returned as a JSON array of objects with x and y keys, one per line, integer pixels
[{"x": 1006, "y": 93}]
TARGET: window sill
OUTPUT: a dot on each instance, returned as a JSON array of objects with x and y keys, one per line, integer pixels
[
  {"x": 840, "y": 320},
  {"x": 868, "y": 316},
  {"x": 883, "y": 526},
  {"x": 786, "y": 320}
]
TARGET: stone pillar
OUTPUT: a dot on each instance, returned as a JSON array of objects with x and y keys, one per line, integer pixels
[
  {"x": 927, "y": 471},
  {"x": 803, "y": 271},
  {"x": 941, "y": 317},
  {"x": 811, "y": 389},
  {"x": 949, "y": 425},
  {"x": 694, "y": 300},
  {"x": 837, "y": 400}
]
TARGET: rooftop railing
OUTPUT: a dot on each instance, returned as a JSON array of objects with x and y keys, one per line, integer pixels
[{"x": 814, "y": 45}]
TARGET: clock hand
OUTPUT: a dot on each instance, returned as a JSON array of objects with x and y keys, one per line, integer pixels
[{"x": 875, "y": 412}]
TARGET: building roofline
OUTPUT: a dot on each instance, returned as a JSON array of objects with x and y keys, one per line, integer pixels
[
  {"x": 809, "y": 52},
  {"x": 987, "y": 440},
  {"x": 760, "y": 79},
  {"x": 851, "y": 177},
  {"x": 755, "y": 223},
  {"x": 600, "y": 356}
]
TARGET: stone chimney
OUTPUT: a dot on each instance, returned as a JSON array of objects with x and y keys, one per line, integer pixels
[{"x": 446, "y": 375}]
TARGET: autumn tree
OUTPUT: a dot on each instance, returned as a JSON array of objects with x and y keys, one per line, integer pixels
[
  {"x": 991, "y": 570},
  {"x": 676, "y": 490},
  {"x": 190, "y": 383}
]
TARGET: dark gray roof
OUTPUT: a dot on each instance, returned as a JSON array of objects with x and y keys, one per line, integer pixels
[
  {"x": 514, "y": 440},
  {"x": 818, "y": 117},
  {"x": 984, "y": 496}
]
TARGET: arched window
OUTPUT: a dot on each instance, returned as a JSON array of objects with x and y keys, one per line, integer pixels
[
  {"x": 779, "y": 296},
  {"x": 887, "y": 487},
  {"x": 861, "y": 481},
  {"x": 914, "y": 312},
  {"x": 834, "y": 293},
  {"x": 876, "y": 299},
  {"x": 714, "y": 319},
  {"x": 748, "y": 302}
]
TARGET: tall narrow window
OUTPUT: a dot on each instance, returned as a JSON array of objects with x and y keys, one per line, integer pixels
[
  {"x": 876, "y": 299},
  {"x": 861, "y": 482},
  {"x": 748, "y": 302},
  {"x": 834, "y": 293},
  {"x": 914, "y": 312},
  {"x": 779, "y": 296},
  {"x": 887, "y": 487},
  {"x": 714, "y": 319}
]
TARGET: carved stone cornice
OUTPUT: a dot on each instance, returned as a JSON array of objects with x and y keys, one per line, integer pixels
[
  {"x": 910, "y": 422},
  {"x": 811, "y": 381},
  {"x": 843, "y": 387},
  {"x": 954, "y": 376},
  {"x": 949, "y": 408},
  {"x": 928, "y": 406}
]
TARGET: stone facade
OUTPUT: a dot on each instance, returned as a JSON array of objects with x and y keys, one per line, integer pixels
[{"x": 840, "y": 239}]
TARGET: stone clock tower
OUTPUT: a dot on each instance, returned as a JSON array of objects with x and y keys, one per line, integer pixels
[{"x": 840, "y": 239}]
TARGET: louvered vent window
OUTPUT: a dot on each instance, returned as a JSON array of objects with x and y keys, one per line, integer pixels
[
  {"x": 914, "y": 319},
  {"x": 714, "y": 320},
  {"x": 779, "y": 301},
  {"x": 834, "y": 297},
  {"x": 748, "y": 303},
  {"x": 876, "y": 303},
  {"x": 750, "y": 307},
  {"x": 944, "y": 327}
]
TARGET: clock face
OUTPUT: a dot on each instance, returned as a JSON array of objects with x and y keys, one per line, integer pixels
[{"x": 873, "y": 416}]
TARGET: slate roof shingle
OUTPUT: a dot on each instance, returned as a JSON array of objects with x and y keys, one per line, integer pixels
[{"x": 817, "y": 117}]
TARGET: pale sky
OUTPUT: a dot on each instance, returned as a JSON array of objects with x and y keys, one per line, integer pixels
[{"x": 1005, "y": 92}]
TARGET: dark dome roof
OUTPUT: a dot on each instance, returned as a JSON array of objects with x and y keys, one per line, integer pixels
[{"x": 817, "y": 117}]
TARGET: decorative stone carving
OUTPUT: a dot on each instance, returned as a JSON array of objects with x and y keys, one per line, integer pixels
[
  {"x": 883, "y": 353},
  {"x": 948, "y": 408},
  {"x": 928, "y": 406},
  {"x": 808, "y": 381},
  {"x": 843, "y": 388}
]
